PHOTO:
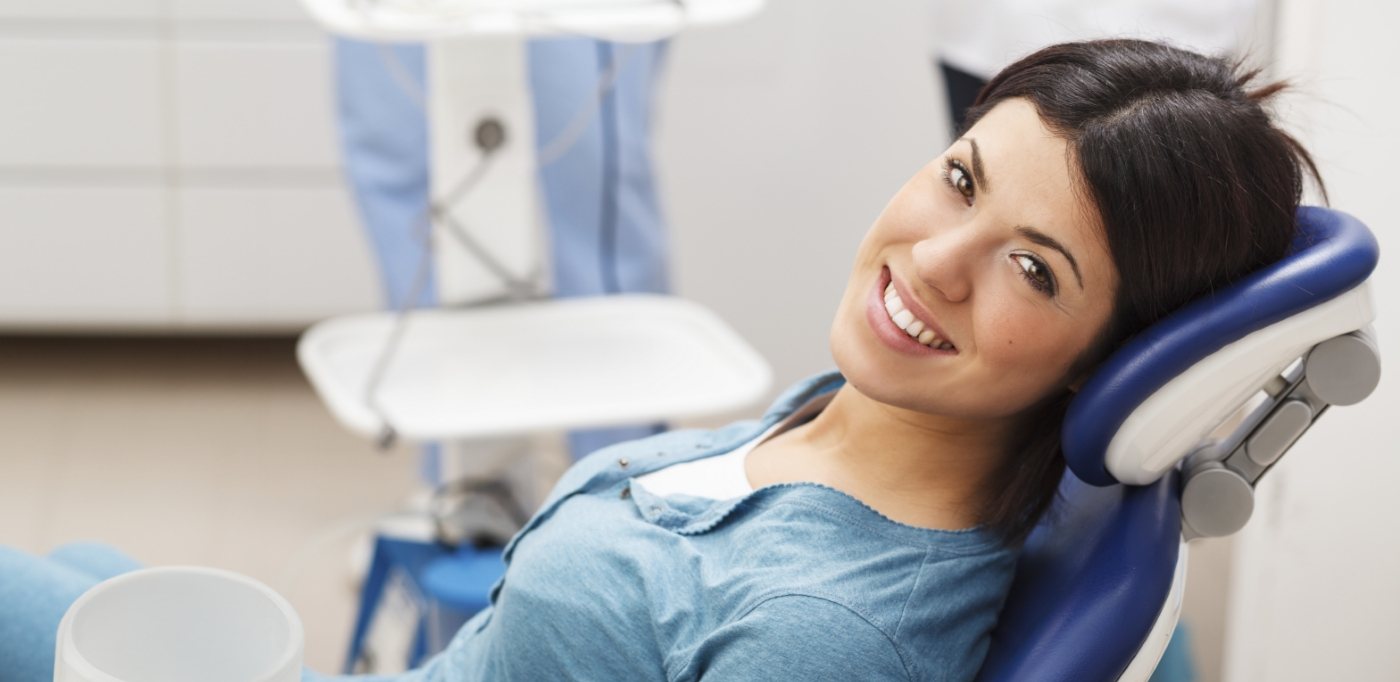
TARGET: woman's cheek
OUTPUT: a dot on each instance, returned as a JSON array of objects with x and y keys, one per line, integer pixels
[{"x": 1015, "y": 334}]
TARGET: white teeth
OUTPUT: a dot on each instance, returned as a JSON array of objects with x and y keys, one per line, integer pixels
[{"x": 904, "y": 319}]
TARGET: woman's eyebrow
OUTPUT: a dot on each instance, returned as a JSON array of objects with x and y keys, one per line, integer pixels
[
  {"x": 1049, "y": 242},
  {"x": 1036, "y": 236},
  {"x": 977, "y": 173}
]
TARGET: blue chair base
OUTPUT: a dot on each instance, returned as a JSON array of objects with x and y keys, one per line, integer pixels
[{"x": 453, "y": 584}]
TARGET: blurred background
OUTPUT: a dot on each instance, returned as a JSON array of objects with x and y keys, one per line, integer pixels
[{"x": 173, "y": 213}]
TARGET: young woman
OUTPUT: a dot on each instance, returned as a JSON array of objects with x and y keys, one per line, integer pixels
[{"x": 866, "y": 527}]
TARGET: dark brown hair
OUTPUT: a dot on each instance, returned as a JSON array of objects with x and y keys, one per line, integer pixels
[{"x": 1194, "y": 184}]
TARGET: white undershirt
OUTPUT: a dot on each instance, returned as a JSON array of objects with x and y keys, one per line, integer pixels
[{"x": 722, "y": 477}]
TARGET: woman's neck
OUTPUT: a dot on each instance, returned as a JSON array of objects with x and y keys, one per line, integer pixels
[{"x": 922, "y": 470}]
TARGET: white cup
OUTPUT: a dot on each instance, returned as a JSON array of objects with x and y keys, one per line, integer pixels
[{"x": 178, "y": 624}]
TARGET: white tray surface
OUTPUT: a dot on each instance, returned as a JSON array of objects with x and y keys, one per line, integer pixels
[
  {"x": 553, "y": 365},
  {"x": 637, "y": 20}
]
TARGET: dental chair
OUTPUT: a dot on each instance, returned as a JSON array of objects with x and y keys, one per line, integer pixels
[{"x": 1166, "y": 443}]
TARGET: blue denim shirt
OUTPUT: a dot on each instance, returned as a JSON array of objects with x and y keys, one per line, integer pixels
[{"x": 793, "y": 581}]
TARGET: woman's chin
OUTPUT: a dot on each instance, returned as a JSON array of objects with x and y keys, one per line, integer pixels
[{"x": 867, "y": 372}]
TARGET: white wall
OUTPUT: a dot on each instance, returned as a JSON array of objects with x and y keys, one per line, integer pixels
[
  {"x": 780, "y": 140},
  {"x": 1315, "y": 594}
]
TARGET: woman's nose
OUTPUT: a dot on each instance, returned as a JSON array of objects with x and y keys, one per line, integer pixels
[{"x": 944, "y": 262}]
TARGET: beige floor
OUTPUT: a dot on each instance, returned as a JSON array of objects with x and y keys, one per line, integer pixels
[
  {"x": 216, "y": 452},
  {"x": 191, "y": 452}
]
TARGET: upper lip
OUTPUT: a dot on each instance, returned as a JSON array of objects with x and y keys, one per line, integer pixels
[{"x": 915, "y": 306}]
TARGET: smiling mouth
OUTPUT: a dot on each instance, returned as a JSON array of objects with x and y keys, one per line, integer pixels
[{"x": 915, "y": 328}]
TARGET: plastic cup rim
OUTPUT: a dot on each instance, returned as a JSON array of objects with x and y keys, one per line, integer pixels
[{"x": 73, "y": 658}]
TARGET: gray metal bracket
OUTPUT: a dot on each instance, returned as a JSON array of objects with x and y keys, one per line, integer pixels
[{"x": 1217, "y": 498}]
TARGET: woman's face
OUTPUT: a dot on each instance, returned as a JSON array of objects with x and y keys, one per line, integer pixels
[{"x": 1002, "y": 268}]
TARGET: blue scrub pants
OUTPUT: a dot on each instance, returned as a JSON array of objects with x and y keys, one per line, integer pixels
[{"x": 606, "y": 228}]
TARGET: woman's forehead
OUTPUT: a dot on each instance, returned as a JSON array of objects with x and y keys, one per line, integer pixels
[{"x": 1023, "y": 158}]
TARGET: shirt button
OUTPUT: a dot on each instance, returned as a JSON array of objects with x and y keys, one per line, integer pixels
[
  {"x": 626, "y": 493},
  {"x": 623, "y": 462}
]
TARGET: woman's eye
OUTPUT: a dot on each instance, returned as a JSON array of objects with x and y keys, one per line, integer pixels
[
  {"x": 958, "y": 178},
  {"x": 1036, "y": 273}
]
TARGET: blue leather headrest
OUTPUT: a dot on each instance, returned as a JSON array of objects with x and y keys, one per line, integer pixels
[{"x": 1332, "y": 253}]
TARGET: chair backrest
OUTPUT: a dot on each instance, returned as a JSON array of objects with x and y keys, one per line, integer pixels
[
  {"x": 1090, "y": 582},
  {"x": 1096, "y": 573}
]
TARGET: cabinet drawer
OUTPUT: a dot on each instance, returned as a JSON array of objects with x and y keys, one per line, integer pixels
[
  {"x": 83, "y": 256},
  {"x": 83, "y": 104},
  {"x": 83, "y": 10},
  {"x": 243, "y": 10},
  {"x": 254, "y": 105},
  {"x": 271, "y": 256}
]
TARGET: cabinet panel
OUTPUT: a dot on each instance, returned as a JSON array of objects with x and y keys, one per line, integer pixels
[
  {"x": 83, "y": 255},
  {"x": 82, "y": 9},
  {"x": 91, "y": 104},
  {"x": 254, "y": 105},
  {"x": 271, "y": 256},
  {"x": 256, "y": 10}
]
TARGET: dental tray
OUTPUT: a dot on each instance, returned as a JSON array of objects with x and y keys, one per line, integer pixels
[
  {"x": 548, "y": 365},
  {"x": 627, "y": 20}
]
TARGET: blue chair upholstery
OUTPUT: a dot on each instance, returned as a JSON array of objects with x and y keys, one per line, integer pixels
[
  {"x": 1095, "y": 574},
  {"x": 1089, "y": 585}
]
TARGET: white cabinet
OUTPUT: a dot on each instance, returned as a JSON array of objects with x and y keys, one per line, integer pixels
[
  {"x": 253, "y": 105},
  {"x": 82, "y": 104},
  {"x": 172, "y": 165},
  {"x": 268, "y": 256},
  {"x": 84, "y": 256},
  {"x": 288, "y": 11},
  {"x": 82, "y": 10}
]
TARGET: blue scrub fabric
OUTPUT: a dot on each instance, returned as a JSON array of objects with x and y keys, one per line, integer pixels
[{"x": 607, "y": 233}]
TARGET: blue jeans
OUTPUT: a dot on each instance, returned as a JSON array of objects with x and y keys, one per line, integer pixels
[{"x": 34, "y": 594}]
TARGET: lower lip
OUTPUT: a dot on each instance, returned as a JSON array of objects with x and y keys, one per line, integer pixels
[{"x": 885, "y": 328}]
